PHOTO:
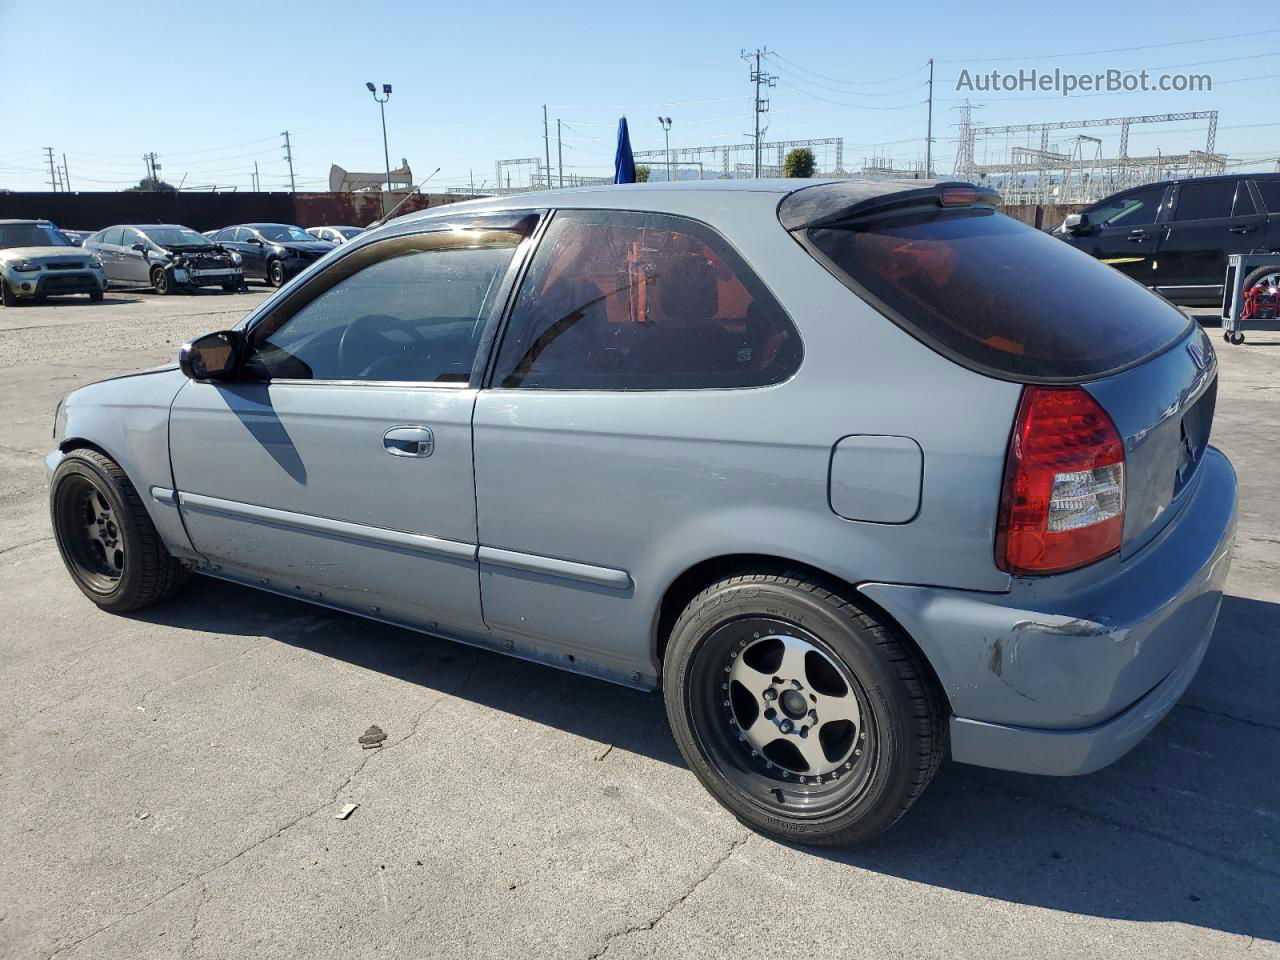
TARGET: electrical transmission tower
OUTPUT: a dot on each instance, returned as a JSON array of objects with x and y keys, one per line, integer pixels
[
  {"x": 153, "y": 168},
  {"x": 288, "y": 155},
  {"x": 761, "y": 104}
]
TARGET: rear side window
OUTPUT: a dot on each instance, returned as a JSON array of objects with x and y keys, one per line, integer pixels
[
  {"x": 1270, "y": 190},
  {"x": 1205, "y": 201},
  {"x": 998, "y": 295},
  {"x": 1245, "y": 207},
  {"x": 633, "y": 301}
]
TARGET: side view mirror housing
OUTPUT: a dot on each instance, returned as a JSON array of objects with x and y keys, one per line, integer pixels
[
  {"x": 256, "y": 240},
  {"x": 1077, "y": 223},
  {"x": 215, "y": 356},
  {"x": 140, "y": 247}
]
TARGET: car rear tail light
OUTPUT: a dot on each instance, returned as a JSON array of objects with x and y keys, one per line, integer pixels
[
  {"x": 958, "y": 196},
  {"x": 1063, "y": 500}
]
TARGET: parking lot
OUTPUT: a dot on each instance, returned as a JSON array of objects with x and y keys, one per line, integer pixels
[{"x": 170, "y": 780}]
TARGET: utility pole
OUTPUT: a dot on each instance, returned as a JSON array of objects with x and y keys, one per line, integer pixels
[
  {"x": 288, "y": 155},
  {"x": 759, "y": 105},
  {"x": 53, "y": 177},
  {"x": 546, "y": 142},
  {"x": 66, "y": 174},
  {"x": 928, "y": 136},
  {"x": 665, "y": 123},
  {"x": 257, "y": 182},
  {"x": 559, "y": 153}
]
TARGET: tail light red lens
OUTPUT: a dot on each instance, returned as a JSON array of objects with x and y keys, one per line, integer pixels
[{"x": 1063, "y": 500}]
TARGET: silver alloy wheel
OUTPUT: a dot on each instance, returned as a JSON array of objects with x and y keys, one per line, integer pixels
[
  {"x": 105, "y": 537},
  {"x": 795, "y": 705}
]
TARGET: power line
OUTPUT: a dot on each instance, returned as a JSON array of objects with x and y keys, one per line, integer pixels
[
  {"x": 851, "y": 93},
  {"x": 854, "y": 106},
  {"x": 1091, "y": 53},
  {"x": 900, "y": 76}
]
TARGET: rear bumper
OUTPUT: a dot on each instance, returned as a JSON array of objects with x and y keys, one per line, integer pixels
[{"x": 1065, "y": 674}]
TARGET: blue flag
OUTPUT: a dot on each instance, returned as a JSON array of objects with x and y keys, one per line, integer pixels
[{"x": 624, "y": 163}]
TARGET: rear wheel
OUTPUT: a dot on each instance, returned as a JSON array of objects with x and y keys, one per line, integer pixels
[
  {"x": 275, "y": 273},
  {"x": 802, "y": 714},
  {"x": 107, "y": 540},
  {"x": 160, "y": 280}
]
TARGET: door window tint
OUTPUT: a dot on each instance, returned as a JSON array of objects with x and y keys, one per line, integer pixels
[
  {"x": 111, "y": 235},
  {"x": 131, "y": 237},
  {"x": 1205, "y": 201},
  {"x": 629, "y": 301},
  {"x": 1133, "y": 209},
  {"x": 1270, "y": 190},
  {"x": 1245, "y": 207},
  {"x": 407, "y": 309}
]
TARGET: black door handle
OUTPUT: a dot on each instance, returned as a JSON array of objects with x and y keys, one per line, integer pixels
[{"x": 1138, "y": 237}]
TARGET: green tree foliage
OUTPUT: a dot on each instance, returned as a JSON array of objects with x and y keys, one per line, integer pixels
[
  {"x": 799, "y": 162},
  {"x": 642, "y": 173},
  {"x": 152, "y": 185}
]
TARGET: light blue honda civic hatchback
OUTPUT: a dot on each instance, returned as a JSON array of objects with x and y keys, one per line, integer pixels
[{"x": 858, "y": 474}]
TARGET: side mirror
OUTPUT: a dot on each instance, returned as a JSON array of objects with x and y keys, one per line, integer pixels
[
  {"x": 140, "y": 247},
  {"x": 256, "y": 240},
  {"x": 1077, "y": 223},
  {"x": 214, "y": 356}
]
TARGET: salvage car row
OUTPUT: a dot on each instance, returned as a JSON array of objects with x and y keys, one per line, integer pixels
[{"x": 38, "y": 260}]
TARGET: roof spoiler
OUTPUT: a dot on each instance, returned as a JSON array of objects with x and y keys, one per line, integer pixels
[{"x": 827, "y": 204}]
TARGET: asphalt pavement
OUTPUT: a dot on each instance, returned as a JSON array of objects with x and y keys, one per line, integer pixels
[{"x": 170, "y": 782}]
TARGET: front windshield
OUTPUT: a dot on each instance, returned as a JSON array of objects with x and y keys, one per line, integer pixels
[
  {"x": 31, "y": 235},
  {"x": 285, "y": 233},
  {"x": 176, "y": 237}
]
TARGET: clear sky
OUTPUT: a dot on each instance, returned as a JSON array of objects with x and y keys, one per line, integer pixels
[{"x": 209, "y": 87}]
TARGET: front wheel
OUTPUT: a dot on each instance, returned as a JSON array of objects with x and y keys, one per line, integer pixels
[
  {"x": 160, "y": 281},
  {"x": 804, "y": 716},
  {"x": 7, "y": 296},
  {"x": 106, "y": 538},
  {"x": 275, "y": 273}
]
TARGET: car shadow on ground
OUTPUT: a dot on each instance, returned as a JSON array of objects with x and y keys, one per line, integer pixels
[{"x": 1183, "y": 829}]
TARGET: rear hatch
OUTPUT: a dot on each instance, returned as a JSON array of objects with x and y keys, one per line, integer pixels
[{"x": 1017, "y": 304}]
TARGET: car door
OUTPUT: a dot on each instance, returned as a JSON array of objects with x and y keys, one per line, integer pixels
[
  {"x": 107, "y": 247},
  {"x": 338, "y": 465},
  {"x": 253, "y": 250},
  {"x": 627, "y": 396},
  {"x": 1209, "y": 219},
  {"x": 135, "y": 266},
  {"x": 1124, "y": 232}
]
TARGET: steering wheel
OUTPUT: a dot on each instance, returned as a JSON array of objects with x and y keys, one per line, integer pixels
[{"x": 359, "y": 350}]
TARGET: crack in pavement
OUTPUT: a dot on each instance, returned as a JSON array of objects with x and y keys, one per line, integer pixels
[
  {"x": 194, "y": 933},
  {"x": 674, "y": 904},
  {"x": 278, "y": 832},
  {"x": 194, "y": 673},
  {"x": 1261, "y": 724},
  {"x": 19, "y": 546}
]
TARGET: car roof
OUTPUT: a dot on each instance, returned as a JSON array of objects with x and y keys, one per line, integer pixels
[
  {"x": 4, "y": 222},
  {"x": 687, "y": 197},
  {"x": 153, "y": 226},
  {"x": 259, "y": 226}
]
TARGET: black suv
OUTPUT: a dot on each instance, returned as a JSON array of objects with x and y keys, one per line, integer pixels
[
  {"x": 1175, "y": 236},
  {"x": 273, "y": 251}
]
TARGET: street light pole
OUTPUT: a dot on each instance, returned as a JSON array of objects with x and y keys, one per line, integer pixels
[
  {"x": 386, "y": 153},
  {"x": 666, "y": 132}
]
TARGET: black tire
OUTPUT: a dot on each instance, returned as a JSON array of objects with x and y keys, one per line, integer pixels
[
  {"x": 885, "y": 758},
  {"x": 231, "y": 287},
  {"x": 1237, "y": 338},
  {"x": 160, "y": 281},
  {"x": 1256, "y": 275},
  {"x": 7, "y": 296},
  {"x": 139, "y": 571},
  {"x": 275, "y": 273},
  {"x": 96, "y": 296}
]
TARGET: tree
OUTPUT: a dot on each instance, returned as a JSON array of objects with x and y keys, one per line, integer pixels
[
  {"x": 642, "y": 173},
  {"x": 799, "y": 162},
  {"x": 152, "y": 185}
]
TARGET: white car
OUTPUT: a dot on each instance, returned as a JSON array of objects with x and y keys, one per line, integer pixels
[
  {"x": 38, "y": 261},
  {"x": 335, "y": 235}
]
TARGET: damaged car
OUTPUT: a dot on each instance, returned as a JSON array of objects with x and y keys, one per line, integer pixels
[{"x": 166, "y": 257}]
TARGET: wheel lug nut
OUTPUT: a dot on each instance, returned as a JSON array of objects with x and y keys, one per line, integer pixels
[
  {"x": 786, "y": 726},
  {"x": 813, "y": 714},
  {"x": 771, "y": 694}
]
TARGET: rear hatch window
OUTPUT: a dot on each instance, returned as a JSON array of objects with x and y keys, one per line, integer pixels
[{"x": 988, "y": 291}]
